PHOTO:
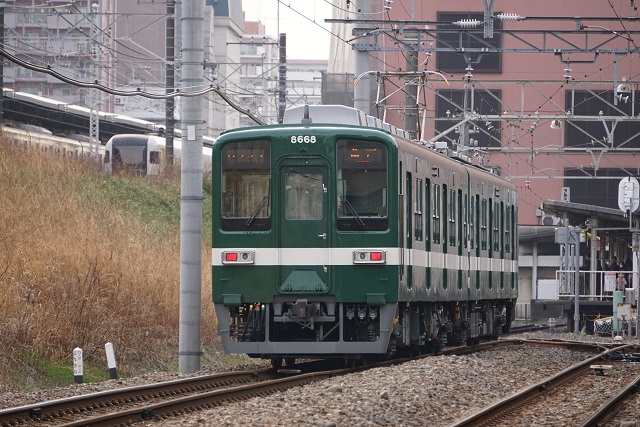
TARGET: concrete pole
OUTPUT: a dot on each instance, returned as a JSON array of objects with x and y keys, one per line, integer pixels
[
  {"x": 411, "y": 94},
  {"x": 593, "y": 222},
  {"x": 94, "y": 94},
  {"x": 170, "y": 103},
  {"x": 2, "y": 6},
  {"x": 362, "y": 92},
  {"x": 575, "y": 233},
  {"x": 191, "y": 186},
  {"x": 534, "y": 276},
  {"x": 282, "y": 76},
  {"x": 635, "y": 244}
]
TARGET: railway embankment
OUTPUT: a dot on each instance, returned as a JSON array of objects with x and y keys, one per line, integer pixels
[{"x": 86, "y": 259}]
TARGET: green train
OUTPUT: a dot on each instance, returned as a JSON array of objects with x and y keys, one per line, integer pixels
[{"x": 335, "y": 236}]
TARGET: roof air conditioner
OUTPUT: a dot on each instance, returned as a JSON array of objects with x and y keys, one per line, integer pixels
[{"x": 550, "y": 220}]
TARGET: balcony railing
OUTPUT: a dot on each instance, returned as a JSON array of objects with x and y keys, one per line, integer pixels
[{"x": 593, "y": 284}]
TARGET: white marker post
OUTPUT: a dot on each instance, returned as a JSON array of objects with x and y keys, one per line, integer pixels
[
  {"x": 111, "y": 361},
  {"x": 78, "y": 368}
]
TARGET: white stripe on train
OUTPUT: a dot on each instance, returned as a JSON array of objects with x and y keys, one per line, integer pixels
[{"x": 344, "y": 256}]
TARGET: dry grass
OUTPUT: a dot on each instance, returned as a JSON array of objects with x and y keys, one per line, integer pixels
[{"x": 80, "y": 267}]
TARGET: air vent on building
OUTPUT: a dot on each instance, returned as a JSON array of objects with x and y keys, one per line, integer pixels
[{"x": 550, "y": 220}]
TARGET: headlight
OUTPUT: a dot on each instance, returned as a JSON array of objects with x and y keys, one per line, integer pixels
[{"x": 369, "y": 256}]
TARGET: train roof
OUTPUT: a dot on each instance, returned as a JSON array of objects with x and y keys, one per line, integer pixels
[
  {"x": 52, "y": 114},
  {"x": 349, "y": 116},
  {"x": 338, "y": 115}
]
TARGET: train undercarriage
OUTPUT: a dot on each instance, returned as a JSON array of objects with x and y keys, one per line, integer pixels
[{"x": 322, "y": 328}]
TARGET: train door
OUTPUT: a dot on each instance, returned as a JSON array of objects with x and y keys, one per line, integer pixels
[
  {"x": 491, "y": 241},
  {"x": 408, "y": 235},
  {"x": 304, "y": 226},
  {"x": 462, "y": 233},
  {"x": 445, "y": 235}
]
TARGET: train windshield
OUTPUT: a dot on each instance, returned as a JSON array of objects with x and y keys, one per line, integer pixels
[
  {"x": 361, "y": 185},
  {"x": 246, "y": 186},
  {"x": 129, "y": 153}
]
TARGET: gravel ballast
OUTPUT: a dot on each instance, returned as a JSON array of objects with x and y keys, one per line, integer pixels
[{"x": 434, "y": 391}]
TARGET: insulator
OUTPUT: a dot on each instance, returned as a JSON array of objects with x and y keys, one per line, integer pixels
[
  {"x": 467, "y": 23},
  {"x": 510, "y": 17}
]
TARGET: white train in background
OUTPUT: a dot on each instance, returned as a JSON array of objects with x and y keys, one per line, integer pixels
[
  {"x": 131, "y": 153},
  {"x": 146, "y": 154},
  {"x": 44, "y": 140}
]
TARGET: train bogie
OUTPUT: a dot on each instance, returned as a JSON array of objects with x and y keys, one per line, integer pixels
[{"x": 350, "y": 242}]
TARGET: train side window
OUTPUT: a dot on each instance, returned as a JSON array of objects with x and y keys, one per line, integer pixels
[
  {"x": 409, "y": 192},
  {"x": 496, "y": 227},
  {"x": 418, "y": 209},
  {"x": 452, "y": 217},
  {"x": 444, "y": 204},
  {"x": 471, "y": 223},
  {"x": 436, "y": 213},
  {"x": 427, "y": 215},
  {"x": 507, "y": 230},
  {"x": 246, "y": 186},
  {"x": 154, "y": 157},
  {"x": 462, "y": 218},
  {"x": 483, "y": 224}
]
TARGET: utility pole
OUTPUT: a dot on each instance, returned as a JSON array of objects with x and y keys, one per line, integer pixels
[
  {"x": 362, "y": 91},
  {"x": 2, "y": 6},
  {"x": 411, "y": 95},
  {"x": 94, "y": 94},
  {"x": 170, "y": 104},
  {"x": 282, "y": 77},
  {"x": 192, "y": 125}
]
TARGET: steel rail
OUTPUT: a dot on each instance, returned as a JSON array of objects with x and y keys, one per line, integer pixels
[
  {"x": 495, "y": 410},
  {"x": 53, "y": 409},
  {"x": 202, "y": 401},
  {"x": 606, "y": 409}
]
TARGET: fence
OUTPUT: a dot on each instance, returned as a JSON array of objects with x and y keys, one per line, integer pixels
[{"x": 593, "y": 284}]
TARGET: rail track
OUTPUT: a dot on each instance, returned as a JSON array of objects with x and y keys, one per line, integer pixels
[
  {"x": 127, "y": 406},
  {"x": 605, "y": 376},
  {"x": 98, "y": 408}
]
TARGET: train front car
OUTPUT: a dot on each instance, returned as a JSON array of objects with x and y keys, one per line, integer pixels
[
  {"x": 134, "y": 154},
  {"x": 305, "y": 254},
  {"x": 339, "y": 241}
]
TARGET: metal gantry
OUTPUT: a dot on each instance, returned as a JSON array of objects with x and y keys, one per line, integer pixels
[{"x": 586, "y": 41}]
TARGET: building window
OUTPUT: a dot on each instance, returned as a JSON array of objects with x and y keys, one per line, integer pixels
[
  {"x": 591, "y": 103},
  {"x": 454, "y": 62},
  {"x": 449, "y": 104},
  {"x": 599, "y": 192}
]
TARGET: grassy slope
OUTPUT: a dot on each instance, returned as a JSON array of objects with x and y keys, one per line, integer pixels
[{"x": 87, "y": 259}]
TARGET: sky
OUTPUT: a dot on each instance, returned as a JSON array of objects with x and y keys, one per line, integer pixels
[{"x": 305, "y": 39}]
